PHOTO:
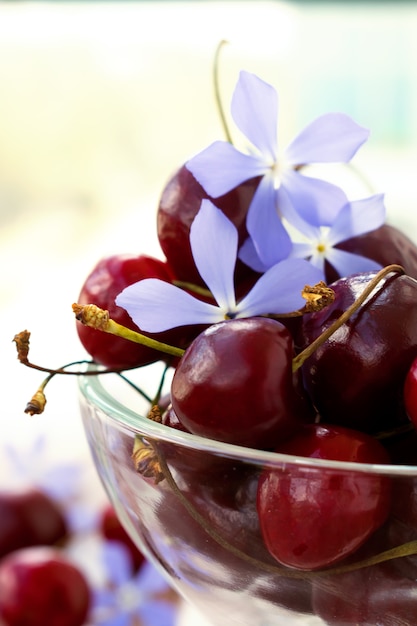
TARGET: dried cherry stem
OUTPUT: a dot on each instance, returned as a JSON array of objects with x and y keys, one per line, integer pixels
[
  {"x": 94, "y": 317},
  {"x": 217, "y": 96},
  {"x": 346, "y": 315},
  {"x": 153, "y": 465}
]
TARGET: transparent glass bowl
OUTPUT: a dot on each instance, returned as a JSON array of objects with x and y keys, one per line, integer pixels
[{"x": 190, "y": 504}]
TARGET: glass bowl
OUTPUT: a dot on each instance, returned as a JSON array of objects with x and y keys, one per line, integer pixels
[{"x": 190, "y": 504}]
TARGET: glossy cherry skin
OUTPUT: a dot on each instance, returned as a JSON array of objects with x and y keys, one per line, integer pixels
[
  {"x": 313, "y": 518},
  {"x": 106, "y": 280},
  {"x": 235, "y": 384},
  {"x": 179, "y": 204},
  {"x": 385, "y": 245},
  {"x": 29, "y": 517},
  {"x": 41, "y": 586},
  {"x": 356, "y": 377}
]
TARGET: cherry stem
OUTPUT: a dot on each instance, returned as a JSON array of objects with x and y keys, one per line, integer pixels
[
  {"x": 217, "y": 96},
  {"x": 94, "y": 317},
  {"x": 346, "y": 315}
]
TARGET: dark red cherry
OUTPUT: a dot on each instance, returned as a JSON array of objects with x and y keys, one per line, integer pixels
[
  {"x": 179, "y": 204},
  {"x": 385, "y": 245},
  {"x": 107, "y": 279},
  {"x": 29, "y": 517},
  {"x": 313, "y": 517},
  {"x": 112, "y": 529},
  {"x": 235, "y": 384},
  {"x": 356, "y": 377},
  {"x": 40, "y": 586}
]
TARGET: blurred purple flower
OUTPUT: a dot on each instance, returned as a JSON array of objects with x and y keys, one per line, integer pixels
[
  {"x": 34, "y": 466},
  {"x": 129, "y": 595},
  {"x": 333, "y": 137},
  {"x": 155, "y": 305}
]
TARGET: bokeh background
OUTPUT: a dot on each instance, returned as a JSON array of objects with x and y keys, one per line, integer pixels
[{"x": 100, "y": 102}]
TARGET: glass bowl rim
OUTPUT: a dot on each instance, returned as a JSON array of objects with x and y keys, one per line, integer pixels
[{"x": 95, "y": 393}]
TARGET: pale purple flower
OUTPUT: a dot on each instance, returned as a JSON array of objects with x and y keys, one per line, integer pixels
[
  {"x": 155, "y": 305},
  {"x": 355, "y": 218},
  {"x": 333, "y": 137},
  {"x": 128, "y": 595}
]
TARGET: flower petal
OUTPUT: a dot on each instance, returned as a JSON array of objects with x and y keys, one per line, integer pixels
[
  {"x": 347, "y": 263},
  {"x": 357, "y": 218},
  {"x": 155, "y": 306},
  {"x": 150, "y": 581},
  {"x": 271, "y": 240},
  {"x": 249, "y": 256},
  {"x": 214, "y": 241},
  {"x": 221, "y": 167},
  {"x": 255, "y": 110},
  {"x": 117, "y": 562},
  {"x": 317, "y": 201},
  {"x": 293, "y": 217},
  {"x": 158, "y": 613},
  {"x": 302, "y": 250},
  {"x": 279, "y": 289},
  {"x": 330, "y": 138}
]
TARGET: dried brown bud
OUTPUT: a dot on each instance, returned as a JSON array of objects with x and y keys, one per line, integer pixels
[
  {"x": 317, "y": 297},
  {"x": 37, "y": 403},
  {"x": 91, "y": 315},
  {"x": 155, "y": 414},
  {"x": 22, "y": 345},
  {"x": 146, "y": 461}
]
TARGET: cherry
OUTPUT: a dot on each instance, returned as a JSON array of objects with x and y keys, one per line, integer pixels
[
  {"x": 179, "y": 204},
  {"x": 385, "y": 245},
  {"x": 356, "y": 377},
  {"x": 107, "y": 279},
  {"x": 29, "y": 517},
  {"x": 311, "y": 518},
  {"x": 112, "y": 529},
  {"x": 39, "y": 585},
  {"x": 235, "y": 384}
]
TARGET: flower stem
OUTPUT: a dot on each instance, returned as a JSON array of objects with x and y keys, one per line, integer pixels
[
  {"x": 217, "y": 96},
  {"x": 94, "y": 317}
]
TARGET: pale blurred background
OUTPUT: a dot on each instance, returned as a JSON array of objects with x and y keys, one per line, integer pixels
[{"x": 101, "y": 102}]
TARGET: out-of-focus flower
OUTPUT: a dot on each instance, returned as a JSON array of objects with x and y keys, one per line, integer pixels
[{"x": 144, "y": 596}]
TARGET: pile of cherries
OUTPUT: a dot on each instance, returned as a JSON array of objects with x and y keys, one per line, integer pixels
[
  {"x": 39, "y": 582},
  {"x": 353, "y": 398},
  {"x": 335, "y": 384}
]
